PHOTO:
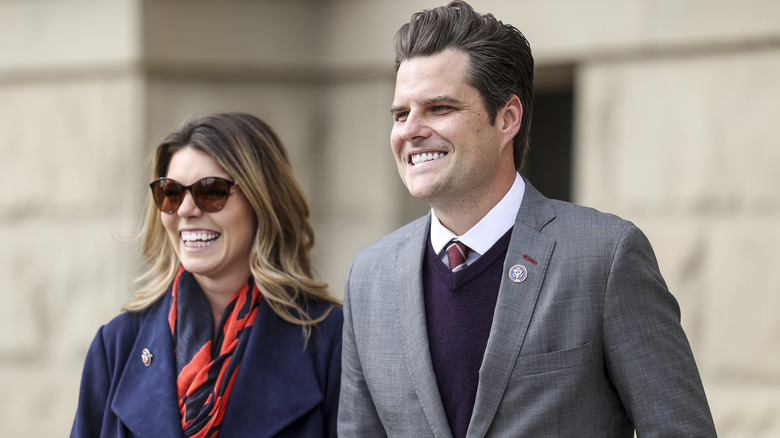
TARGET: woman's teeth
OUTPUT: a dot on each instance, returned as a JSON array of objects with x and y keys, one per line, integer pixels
[{"x": 199, "y": 239}]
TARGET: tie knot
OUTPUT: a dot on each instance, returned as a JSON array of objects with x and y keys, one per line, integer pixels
[{"x": 457, "y": 253}]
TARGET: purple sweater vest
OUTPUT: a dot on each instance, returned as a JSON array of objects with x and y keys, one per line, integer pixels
[{"x": 459, "y": 312}]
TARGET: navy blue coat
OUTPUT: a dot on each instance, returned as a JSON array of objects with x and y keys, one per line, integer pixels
[{"x": 281, "y": 390}]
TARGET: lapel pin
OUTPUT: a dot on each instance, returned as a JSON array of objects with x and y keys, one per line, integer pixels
[
  {"x": 518, "y": 273},
  {"x": 146, "y": 357},
  {"x": 527, "y": 257}
]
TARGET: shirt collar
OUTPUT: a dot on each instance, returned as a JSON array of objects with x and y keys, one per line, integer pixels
[{"x": 482, "y": 236}]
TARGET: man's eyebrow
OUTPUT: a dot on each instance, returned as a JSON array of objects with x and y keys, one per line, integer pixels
[
  {"x": 443, "y": 99},
  {"x": 396, "y": 108},
  {"x": 437, "y": 100}
]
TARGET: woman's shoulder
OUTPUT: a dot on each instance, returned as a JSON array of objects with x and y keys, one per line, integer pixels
[
  {"x": 329, "y": 317},
  {"x": 331, "y": 314},
  {"x": 124, "y": 328},
  {"x": 317, "y": 308}
]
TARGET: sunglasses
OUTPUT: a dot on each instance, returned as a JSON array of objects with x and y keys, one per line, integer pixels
[{"x": 210, "y": 194}]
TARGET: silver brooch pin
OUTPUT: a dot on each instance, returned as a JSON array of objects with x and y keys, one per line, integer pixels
[
  {"x": 146, "y": 357},
  {"x": 518, "y": 273}
]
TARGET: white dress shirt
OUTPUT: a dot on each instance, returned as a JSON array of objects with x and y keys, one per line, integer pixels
[{"x": 482, "y": 236}]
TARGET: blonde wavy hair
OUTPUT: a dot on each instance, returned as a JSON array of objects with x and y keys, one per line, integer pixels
[{"x": 249, "y": 150}]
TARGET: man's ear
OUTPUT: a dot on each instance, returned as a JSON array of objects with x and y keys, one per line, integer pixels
[{"x": 510, "y": 117}]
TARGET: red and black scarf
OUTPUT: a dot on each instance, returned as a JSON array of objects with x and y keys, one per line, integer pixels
[{"x": 207, "y": 359}]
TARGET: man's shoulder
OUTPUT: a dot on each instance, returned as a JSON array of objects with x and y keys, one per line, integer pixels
[
  {"x": 568, "y": 214},
  {"x": 586, "y": 227}
]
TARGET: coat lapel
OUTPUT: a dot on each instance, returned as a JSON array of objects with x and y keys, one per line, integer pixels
[
  {"x": 414, "y": 331},
  {"x": 276, "y": 384},
  {"x": 145, "y": 399},
  {"x": 276, "y": 387},
  {"x": 515, "y": 306}
]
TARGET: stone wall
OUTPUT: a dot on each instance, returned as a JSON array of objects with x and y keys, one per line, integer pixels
[
  {"x": 687, "y": 148},
  {"x": 677, "y": 109}
]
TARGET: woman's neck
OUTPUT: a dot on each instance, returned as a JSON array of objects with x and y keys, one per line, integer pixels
[{"x": 218, "y": 292}]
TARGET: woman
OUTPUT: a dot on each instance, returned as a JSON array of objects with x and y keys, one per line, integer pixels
[{"x": 228, "y": 333}]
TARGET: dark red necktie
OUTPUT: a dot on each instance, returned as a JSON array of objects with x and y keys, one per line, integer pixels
[{"x": 457, "y": 253}]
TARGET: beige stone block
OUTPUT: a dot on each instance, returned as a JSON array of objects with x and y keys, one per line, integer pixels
[
  {"x": 560, "y": 30},
  {"x": 359, "y": 153},
  {"x": 360, "y": 179},
  {"x": 67, "y": 35},
  {"x": 204, "y": 36},
  {"x": 22, "y": 293},
  {"x": 565, "y": 30},
  {"x": 40, "y": 400},
  {"x": 714, "y": 22},
  {"x": 63, "y": 278},
  {"x": 679, "y": 134},
  {"x": 359, "y": 33},
  {"x": 69, "y": 147},
  {"x": 741, "y": 337},
  {"x": 745, "y": 409}
]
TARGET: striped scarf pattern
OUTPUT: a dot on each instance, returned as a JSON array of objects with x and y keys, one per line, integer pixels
[{"x": 207, "y": 360}]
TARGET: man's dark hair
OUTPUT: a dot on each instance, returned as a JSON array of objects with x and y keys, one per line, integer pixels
[{"x": 500, "y": 60}]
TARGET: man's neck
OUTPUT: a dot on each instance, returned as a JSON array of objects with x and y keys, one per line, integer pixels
[{"x": 462, "y": 215}]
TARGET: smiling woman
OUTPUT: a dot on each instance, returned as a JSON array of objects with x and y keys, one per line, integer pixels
[
  {"x": 214, "y": 246},
  {"x": 227, "y": 239}
]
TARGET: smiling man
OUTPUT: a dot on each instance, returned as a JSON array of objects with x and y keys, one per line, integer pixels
[{"x": 502, "y": 312}]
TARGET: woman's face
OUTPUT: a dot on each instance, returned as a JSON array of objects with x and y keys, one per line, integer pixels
[{"x": 212, "y": 246}]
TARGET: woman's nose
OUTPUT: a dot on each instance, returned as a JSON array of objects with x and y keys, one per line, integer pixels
[{"x": 188, "y": 208}]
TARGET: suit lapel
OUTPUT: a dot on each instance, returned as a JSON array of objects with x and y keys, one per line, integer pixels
[
  {"x": 145, "y": 399},
  {"x": 408, "y": 285},
  {"x": 515, "y": 306}
]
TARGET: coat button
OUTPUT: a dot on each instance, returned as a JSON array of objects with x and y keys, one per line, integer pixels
[{"x": 146, "y": 357}]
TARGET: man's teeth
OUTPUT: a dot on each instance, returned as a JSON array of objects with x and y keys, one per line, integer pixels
[
  {"x": 421, "y": 158},
  {"x": 198, "y": 240}
]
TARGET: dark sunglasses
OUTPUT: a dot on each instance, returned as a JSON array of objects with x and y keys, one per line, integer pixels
[{"x": 210, "y": 194}]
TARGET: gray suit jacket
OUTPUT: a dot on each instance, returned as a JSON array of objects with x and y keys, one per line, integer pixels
[{"x": 588, "y": 345}]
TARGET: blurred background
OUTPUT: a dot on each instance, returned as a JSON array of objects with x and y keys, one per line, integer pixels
[{"x": 666, "y": 112}]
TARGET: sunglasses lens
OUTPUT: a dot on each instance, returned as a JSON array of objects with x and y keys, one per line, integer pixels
[
  {"x": 211, "y": 193},
  {"x": 167, "y": 194}
]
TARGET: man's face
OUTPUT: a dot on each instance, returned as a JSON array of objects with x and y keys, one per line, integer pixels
[{"x": 448, "y": 154}]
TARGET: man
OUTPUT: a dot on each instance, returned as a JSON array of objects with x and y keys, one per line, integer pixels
[{"x": 553, "y": 320}]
